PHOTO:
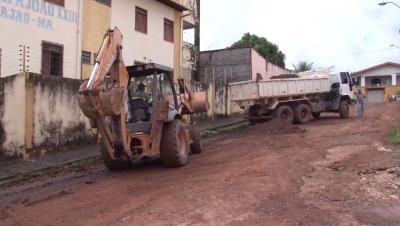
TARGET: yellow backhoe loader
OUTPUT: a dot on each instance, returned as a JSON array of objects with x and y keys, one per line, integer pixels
[{"x": 137, "y": 111}]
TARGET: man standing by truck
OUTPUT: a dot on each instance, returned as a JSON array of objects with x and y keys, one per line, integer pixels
[{"x": 361, "y": 103}]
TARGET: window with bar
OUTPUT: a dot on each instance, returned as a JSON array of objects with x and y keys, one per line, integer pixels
[
  {"x": 56, "y": 2},
  {"x": 168, "y": 30},
  {"x": 141, "y": 20}
]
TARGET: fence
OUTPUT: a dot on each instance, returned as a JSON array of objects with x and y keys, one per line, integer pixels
[
  {"x": 40, "y": 113},
  {"x": 216, "y": 83}
]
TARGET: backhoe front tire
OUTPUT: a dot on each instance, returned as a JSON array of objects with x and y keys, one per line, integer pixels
[
  {"x": 174, "y": 144},
  {"x": 196, "y": 146},
  {"x": 112, "y": 165}
]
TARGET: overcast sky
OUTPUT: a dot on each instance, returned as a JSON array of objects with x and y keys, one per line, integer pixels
[{"x": 347, "y": 34}]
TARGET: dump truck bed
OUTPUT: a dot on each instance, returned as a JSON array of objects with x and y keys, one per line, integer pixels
[{"x": 273, "y": 88}]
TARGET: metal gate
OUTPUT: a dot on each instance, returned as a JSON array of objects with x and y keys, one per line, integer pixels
[{"x": 376, "y": 96}]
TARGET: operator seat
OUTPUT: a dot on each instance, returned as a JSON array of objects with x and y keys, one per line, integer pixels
[{"x": 140, "y": 116}]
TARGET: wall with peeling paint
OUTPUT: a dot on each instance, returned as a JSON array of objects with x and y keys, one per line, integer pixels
[
  {"x": 219, "y": 99},
  {"x": 58, "y": 120},
  {"x": 40, "y": 114},
  {"x": 12, "y": 113}
]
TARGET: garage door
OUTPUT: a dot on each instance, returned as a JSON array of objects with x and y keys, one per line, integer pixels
[{"x": 376, "y": 95}]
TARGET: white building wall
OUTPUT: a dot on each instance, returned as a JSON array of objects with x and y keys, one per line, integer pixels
[
  {"x": 28, "y": 23},
  {"x": 385, "y": 70},
  {"x": 139, "y": 46}
]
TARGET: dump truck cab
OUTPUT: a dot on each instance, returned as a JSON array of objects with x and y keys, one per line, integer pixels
[{"x": 346, "y": 84}]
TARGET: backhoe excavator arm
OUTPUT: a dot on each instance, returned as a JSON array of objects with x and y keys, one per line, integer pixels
[{"x": 102, "y": 97}]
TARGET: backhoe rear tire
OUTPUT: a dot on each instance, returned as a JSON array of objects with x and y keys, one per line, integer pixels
[
  {"x": 196, "y": 146},
  {"x": 302, "y": 114},
  {"x": 174, "y": 144},
  {"x": 112, "y": 165},
  {"x": 344, "y": 109}
]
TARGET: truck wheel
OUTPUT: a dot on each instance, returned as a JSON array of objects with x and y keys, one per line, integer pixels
[
  {"x": 344, "y": 109},
  {"x": 196, "y": 146},
  {"x": 302, "y": 114},
  {"x": 253, "y": 110},
  {"x": 285, "y": 114},
  {"x": 174, "y": 144},
  {"x": 316, "y": 115},
  {"x": 112, "y": 165}
]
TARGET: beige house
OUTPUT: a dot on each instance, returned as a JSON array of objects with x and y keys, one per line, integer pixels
[
  {"x": 41, "y": 36},
  {"x": 152, "y": 30},
  {"x": 61, "y": 37},
  {"x": 379, "y": 82}
]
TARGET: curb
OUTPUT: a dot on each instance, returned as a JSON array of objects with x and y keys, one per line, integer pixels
[
  {"x": 226, "y": 125},
  {"x": 10, "y": 178}
]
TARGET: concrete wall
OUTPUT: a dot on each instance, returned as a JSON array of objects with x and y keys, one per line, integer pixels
[
  {"x": 29, "y": 23},
  {"x": 144, "y": 47},
  {"x": 229, "y": 65},
  {"x": 273, "y": 70},
  {"x": 239, "y": 64},
  {"x": 259, "y": 65},
  {"x": 188, "y": 61},
  {"x": 12, "y": 113},
  {"x": 218, "y": 96},
  {"x": 40, "y": 114}
]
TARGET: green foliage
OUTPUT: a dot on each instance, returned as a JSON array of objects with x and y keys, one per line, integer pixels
[
  {"x": 265, "y": 48},
  {"x": 395, "y": 137},
  {"x": 303, "y": 66}
]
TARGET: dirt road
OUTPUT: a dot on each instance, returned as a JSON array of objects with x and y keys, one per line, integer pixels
[{"x": 328, "y": 172}]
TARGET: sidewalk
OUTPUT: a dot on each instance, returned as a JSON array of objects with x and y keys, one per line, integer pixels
[{"x": 10, "y": 169}]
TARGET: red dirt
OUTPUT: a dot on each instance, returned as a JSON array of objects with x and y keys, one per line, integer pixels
[{"x": 328, "y": 172}]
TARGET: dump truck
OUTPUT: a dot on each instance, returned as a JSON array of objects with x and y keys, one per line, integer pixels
[
  {"x": 296, "y": 98},
  {"x": 137, "y": 111}
]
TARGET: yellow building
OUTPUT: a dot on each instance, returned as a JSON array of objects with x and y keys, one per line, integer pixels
[
  {"x": 152, "y": 31},
  {"x": 380, "y": 82}
]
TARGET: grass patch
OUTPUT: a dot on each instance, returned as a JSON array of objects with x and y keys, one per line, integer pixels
[{"x": 395, "y": 137}]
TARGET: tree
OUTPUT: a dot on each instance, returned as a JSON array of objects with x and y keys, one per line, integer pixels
[
  {"x": 265, "y": 48},
  {"x": 303, "y": 66}
]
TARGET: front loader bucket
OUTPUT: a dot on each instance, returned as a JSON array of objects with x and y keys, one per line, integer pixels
[{"x": 197, "y": 104}]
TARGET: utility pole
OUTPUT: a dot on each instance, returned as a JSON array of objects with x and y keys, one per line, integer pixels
[{"x": 197, "y": 39}]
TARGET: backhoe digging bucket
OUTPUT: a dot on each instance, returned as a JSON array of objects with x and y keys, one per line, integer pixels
[{"x": 109, "y": 103}]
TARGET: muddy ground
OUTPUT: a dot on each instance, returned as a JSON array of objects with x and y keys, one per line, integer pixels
[{"x": 328, "y": 172}]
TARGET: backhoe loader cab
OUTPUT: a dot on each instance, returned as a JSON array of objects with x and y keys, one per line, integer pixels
[
  {"x": 149, "y": 84},
  {"x": 137, "y": 111}
]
